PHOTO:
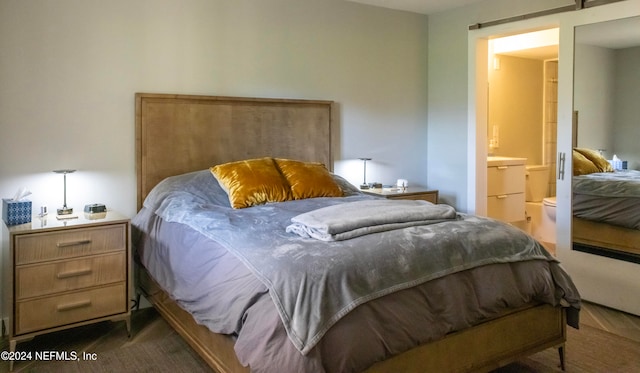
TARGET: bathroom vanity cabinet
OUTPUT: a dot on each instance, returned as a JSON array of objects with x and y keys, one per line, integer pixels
[{"x": 506, "y": 178}]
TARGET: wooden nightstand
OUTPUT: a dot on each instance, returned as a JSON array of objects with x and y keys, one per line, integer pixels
[
  {"x": 408, "y": 193},
  {"x": 59, "y": 274}
]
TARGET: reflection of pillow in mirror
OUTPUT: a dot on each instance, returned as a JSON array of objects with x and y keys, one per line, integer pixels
[
  {"x": 252, "y": 182},
  {"x": 597, "y": 159},
  {"x": 308, "y": 179},
  {"x": 582, "y": 165}
]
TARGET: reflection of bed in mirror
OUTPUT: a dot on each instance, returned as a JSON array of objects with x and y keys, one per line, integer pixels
[
  {"x": 605, "y": 219},
  {"x": 605, "y": 204},
  {"x": 178, "y": 134}
]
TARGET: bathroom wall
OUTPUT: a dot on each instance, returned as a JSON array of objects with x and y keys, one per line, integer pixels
[
  {"x": 550, "y": 131},
  {"x": 516, "y": 107}
]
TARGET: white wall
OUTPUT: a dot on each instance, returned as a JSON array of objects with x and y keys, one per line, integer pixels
[
  {"x": 593, "y": 97},
  {"x": 626, "y": 130},
  {"x": 69, "y": 70}
]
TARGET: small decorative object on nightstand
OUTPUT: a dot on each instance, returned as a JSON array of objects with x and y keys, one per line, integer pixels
[
  {"x": 414, "y": 193},
  {"x": 59, "y": 274}
]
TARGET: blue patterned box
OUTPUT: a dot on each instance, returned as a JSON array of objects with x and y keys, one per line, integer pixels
[{"x": 16, "y": 212}]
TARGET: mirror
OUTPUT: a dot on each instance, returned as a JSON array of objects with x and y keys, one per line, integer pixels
[{"x": 606, "y": 90}]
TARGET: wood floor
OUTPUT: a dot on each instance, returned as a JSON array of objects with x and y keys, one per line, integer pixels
[
  {"x": 147, "y": 325},
  {"x": 613, "y": 321}
]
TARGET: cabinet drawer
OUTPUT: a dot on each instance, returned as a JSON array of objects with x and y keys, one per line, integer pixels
[
  {"x": 33, "y": 248},
  {"x": 429, "y": 197},
  {"x": 507, "y": 207},
  {"x": 505, "y": 180},
  {"x": 48, "y": 278},
  {"x": 55, "y": 311}
]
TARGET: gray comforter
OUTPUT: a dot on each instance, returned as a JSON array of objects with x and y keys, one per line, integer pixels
[
  {"x": 314, "y": 285},
  {"x": 609, "y": 184},
  {"x": 608, "y": 197}
]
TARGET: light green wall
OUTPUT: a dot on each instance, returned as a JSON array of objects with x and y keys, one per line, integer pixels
[{"x": 69, "y": 70}]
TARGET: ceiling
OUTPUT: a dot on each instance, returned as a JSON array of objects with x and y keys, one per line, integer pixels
[
  {"x": 542, "y": 53},
  {"x": 419, "y": 6},
  {"x": 611, "y": 34}
]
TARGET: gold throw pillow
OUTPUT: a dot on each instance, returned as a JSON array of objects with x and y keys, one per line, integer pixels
[
  {"x": 252, "y": 182},
  {"x": 582, "y": 165},
  {"x": 308, "y": 179},
  {"x": 594, "y": 156}
]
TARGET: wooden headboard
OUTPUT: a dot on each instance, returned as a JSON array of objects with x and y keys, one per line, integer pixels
[{"x": 182, "y": 133}]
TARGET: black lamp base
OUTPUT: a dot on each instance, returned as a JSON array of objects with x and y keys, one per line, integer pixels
[
  {"x": 364, "y": 186},
  {"x": 65, "y": 211}
]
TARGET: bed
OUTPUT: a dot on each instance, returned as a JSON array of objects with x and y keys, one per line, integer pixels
[
  {"x": 605, "y": 207},
  {"x": 474, "y": 318}
]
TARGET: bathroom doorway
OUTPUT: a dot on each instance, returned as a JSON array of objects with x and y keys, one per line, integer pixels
[{"x": 522, "y": 108}]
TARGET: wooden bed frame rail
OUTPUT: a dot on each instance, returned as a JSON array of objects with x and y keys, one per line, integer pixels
[
  {"x": 606, "y": 240},
  {"x": 476, "y": 349}
]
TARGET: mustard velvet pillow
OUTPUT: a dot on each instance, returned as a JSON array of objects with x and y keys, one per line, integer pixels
[
  {"x": 308, "y": 179},
  {"x": 582, "y": 165},
  {"x": 601, "y": 163},
  {"x": 252, "y": 182}
]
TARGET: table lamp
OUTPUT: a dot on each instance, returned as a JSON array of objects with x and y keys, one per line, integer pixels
[
  {"x": 65, "y": 210},
  {"x": 364, "y": 184}
]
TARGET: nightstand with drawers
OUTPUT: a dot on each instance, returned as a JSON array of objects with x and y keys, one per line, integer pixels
[
  {"x": 414, "y": 193},
  {"x": 59, "y": 274}
]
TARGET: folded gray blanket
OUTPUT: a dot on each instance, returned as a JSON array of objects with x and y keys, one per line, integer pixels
[{"x": 350, "y": 220}]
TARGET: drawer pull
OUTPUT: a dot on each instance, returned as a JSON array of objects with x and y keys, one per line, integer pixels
[
  {"x": 73, "y": 306},
  {"x": 73, "y": 243},
  {"x": 501, "y": 196},
  {"x": 80, "y": 272},
  {"x": 503, "y": 167}
]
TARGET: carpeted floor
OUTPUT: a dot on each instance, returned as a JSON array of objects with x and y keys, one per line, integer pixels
[
  {"x": 170, "y": 355},
  {"x": 157, "y": 348}
]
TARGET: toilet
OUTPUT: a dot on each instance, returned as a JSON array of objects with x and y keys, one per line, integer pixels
[
  {"x": 549, "y": 207},
  {"x": 539, "y": 208},
  {"x": 537, "y": 183}
]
